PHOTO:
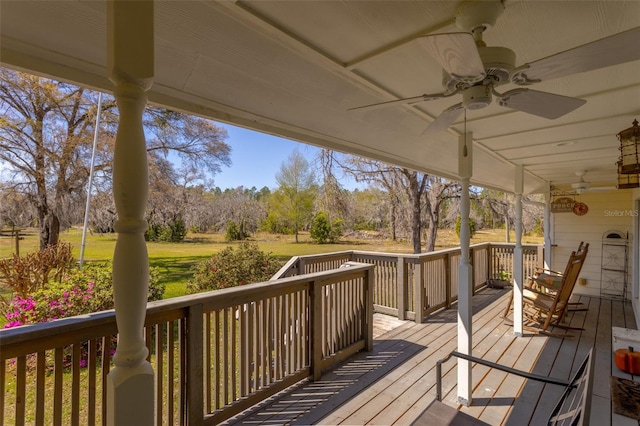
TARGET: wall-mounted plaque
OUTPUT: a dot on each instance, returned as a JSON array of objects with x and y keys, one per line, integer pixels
[{"x": 563, "y": 205}]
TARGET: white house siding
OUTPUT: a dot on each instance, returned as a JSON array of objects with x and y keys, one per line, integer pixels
[
  {"x": 635, "y": 257},
  {"x": 608, "y": 210}
]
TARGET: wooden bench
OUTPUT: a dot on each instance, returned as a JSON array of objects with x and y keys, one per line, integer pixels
[{"x": 573, "y": 407}]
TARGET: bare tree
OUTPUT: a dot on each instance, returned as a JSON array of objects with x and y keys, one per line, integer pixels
[
  {"x": 332, "y": 198},
  {"x": 396, "y": 181},
  {"x": 438, "y": 192},
  {"x": 46, "y": 133},
  {"x": 411, "y": 194},
  {"x": 14, "y": 208}
]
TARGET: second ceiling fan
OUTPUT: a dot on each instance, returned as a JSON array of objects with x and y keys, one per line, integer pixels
[{"x": 474, "y": 70}]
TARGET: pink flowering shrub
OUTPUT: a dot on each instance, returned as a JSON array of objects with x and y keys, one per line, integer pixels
[
  {"x": 79, "y": 292},
  {"x": 232, "y": 267}
]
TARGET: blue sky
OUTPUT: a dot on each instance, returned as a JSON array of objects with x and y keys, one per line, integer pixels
[{"x": 256, "y": 158}]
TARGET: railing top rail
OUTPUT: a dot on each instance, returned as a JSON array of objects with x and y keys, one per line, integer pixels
[
  {"x": 321, "y": 257},
  {"x": 511, "y": 245},
  {"x": 418, "y": 255},
  {"x": 317, "y": 258},
  {"x": 291, "y": 263},
  {"x": 86, "y": 326}
]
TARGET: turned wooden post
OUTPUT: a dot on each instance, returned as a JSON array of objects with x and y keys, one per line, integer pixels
[{"x": 130, "y": 390}]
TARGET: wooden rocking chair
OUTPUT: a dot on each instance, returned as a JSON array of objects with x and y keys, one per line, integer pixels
[
  {"x": 547, "y": 308},
  {"x": 548, "y": 281}
]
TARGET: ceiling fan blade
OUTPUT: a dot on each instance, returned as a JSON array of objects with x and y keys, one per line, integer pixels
[
  {"x": 444, "y": 120},
  {"x": 410, "y": 101},
  {"x": 458, "y": 55},
  {"x": 602, "y": 188},
  {"x": 542, "y": 104},
  {"x": 613, "y": 50}
]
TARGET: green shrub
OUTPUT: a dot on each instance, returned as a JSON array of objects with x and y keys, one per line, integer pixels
[
  {"x": 322, "y": 230},
  {"x": 80, "y": 292},
  {"x": 275, "y": 225},
  {"x": 232, "y": 267},
  {"x": 472, "y": 226},
  {"x": 234, "y": 232},
  {"x": 172, "y": 232},
  {"x": 363, "y": 225}
]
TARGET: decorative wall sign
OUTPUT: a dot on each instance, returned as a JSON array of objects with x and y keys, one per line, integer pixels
[
  {"x": 563, "y": 205},
  {"x": 580, "y": 209}
]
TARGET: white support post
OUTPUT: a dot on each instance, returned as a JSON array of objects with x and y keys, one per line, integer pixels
[
  {"x": 547, "y": 229},
  {"x": 130, "y": 389},
  {"x": 465, "y": 271},
  {"x": 518, "y": 270}
]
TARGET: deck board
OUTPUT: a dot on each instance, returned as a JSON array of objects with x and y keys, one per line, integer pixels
[{"x": 395, "y": 382}]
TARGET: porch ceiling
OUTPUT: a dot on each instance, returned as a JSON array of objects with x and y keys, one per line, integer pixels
[{"x": 294, "y": 68}]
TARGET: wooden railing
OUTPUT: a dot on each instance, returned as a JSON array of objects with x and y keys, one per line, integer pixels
[
  {"x": 411, "y": 286},
  {"x": 214, "y": 354},
  {"x": 502, "y": 259}
]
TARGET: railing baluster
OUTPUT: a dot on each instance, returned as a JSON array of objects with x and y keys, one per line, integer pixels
[
  {"x": 21, "y": 392},
  {"x": 182, "y": 371},
  {"x": 170, "y": 371},
  {"x": 3, "y": 371},
  {"x": 252, "y": 349},
  {"x": 277, "y": 355},
  {"x": 225, "y": 356},
  {"x": 299, "y": 345},
  {"x": 270, "y": 336},
  {"x": 216, "y": 366},
  {"x": 245, "y": 374},
  {"x": 91, "y": 381},
  {"x": 58, "y": 371},
  {"x": 194, "y": 346},
  {"x": 160, "y": 401},
  {"x": 207, "y": 363},
  {"x": 40, "y": 386},
  {"x": 104, "y": 370},
  {"x": 264, "y": 344},
  {"x": 75, "y": 384}
]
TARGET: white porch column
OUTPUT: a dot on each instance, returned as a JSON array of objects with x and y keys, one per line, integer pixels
[
  {"x": 465, "y": 271},
  {"x": 130, "y": 390},
  {"x": 517, "y": 254},
  {"x": 547, "y": 228}
]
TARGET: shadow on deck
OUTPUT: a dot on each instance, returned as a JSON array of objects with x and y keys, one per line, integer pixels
[{"x": 395, "y": 382}]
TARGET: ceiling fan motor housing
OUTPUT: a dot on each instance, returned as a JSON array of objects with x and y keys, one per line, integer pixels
[
  {"x": 476, "y": 97},
  {"x": 498, "y": 63}
]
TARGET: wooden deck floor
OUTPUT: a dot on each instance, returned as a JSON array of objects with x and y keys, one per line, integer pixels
[{"x": 396, "y": 381}]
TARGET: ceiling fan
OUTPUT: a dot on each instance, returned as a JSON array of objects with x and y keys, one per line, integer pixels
[
  {"x": 472, "y": 69},
  {"x": 582, "y": 186}
]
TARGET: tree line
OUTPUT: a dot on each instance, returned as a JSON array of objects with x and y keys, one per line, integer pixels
[{"x": 46, "y": 136}]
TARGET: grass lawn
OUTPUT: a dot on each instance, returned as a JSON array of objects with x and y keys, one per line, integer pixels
[{"x": 176, "y": 259}]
